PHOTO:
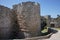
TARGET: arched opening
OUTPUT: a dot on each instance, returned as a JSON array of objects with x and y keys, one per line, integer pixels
[{"x": 52, "y": 25}]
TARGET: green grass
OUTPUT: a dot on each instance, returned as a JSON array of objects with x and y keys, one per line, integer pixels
[{"x": 45, "y": 30}]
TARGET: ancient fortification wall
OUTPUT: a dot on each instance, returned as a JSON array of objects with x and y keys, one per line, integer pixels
[
  {"x": 22, "y": 20},
  {"x": 28, "y": 15}
]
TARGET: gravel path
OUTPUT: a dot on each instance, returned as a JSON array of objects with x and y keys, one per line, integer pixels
[{"x": 55, "y": 36}]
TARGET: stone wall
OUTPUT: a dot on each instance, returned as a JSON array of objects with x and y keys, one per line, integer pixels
[
  {"x": 7, "y": 23},
  {"x": 21, "y": 21},
  {"x": 28, "y": 15}
]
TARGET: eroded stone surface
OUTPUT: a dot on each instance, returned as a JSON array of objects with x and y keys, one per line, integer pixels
[
  {"x": 7, "y": 23},
  {"x": 28, "y": 15}
]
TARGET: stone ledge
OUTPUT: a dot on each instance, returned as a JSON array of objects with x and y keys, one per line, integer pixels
[
  {"x": 37, "y": 38},
  {"x": 41, "y": 37}
]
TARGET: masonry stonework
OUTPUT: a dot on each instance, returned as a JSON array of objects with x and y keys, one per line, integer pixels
[
  {"x": 20, "y": 22},
  {"x": 28, "y": 15},
  {"x": 6, "y": 22}
]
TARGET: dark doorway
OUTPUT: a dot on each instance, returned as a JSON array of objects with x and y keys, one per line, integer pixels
[{"x": 52, "y": 25}]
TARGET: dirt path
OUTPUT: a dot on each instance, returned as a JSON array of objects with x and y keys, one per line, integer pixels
[{"x": 55, "y": 36}]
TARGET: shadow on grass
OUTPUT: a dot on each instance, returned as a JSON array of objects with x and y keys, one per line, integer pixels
[{"x": 49, "y": 31}]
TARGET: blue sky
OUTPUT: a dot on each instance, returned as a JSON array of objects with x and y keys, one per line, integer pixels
[{"x": 47, "y": 7}]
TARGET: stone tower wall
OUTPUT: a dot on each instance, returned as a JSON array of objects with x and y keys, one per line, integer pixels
[
  {"x": 28, "y": 15},
  {"x": 7, "y": 22}
]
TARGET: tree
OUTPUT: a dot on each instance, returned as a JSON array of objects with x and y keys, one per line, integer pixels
[{"x": 43, "y": 24}]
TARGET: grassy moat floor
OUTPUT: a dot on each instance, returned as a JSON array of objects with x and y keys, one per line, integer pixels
[{"x": 46, "y": 30}]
